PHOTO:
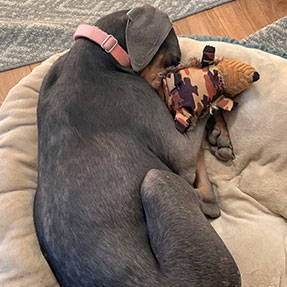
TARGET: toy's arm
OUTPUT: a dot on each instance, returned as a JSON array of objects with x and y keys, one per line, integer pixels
[{"x": 226, "y": 104}]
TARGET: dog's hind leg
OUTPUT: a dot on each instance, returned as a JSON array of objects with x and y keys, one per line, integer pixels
[
  {"x": 188, "y": 250},
  {"x": 186, "y": 159}
]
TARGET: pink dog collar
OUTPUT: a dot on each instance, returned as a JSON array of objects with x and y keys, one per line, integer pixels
[{"x": 108, "y": 42}]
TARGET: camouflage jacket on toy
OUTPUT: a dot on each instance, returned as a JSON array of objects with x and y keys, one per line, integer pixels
[{"x": 191, "y": 93}]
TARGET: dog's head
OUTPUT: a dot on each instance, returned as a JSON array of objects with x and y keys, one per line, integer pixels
[{"x": 147, "y": 35}]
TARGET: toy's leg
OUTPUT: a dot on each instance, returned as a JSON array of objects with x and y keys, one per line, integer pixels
[
  {"x": 203, "y": 186},
  {"x": 219, "y": 138}
]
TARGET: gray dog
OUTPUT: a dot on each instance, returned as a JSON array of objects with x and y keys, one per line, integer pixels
[{"x": 115, "y": 204}]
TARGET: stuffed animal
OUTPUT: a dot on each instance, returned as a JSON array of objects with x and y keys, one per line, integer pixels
[{"x": 192, "y": 92}]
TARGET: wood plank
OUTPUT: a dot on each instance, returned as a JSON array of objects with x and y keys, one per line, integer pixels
[
  {"x": 204, "y": 23},
  {"x": 273, "y": 9},
  {"x": 9, "y": 79},
  {"x": 236, "y": 19},
  {"x": 244, "y": 18}
]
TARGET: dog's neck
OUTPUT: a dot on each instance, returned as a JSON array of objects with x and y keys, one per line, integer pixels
[{"x": 108, "y": 42}]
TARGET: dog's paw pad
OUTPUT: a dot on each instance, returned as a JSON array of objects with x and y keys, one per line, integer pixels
[{"x": 213, "y": 135}]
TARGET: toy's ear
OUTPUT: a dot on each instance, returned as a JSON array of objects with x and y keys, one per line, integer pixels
[
  {"x": 146, "y": 30},
  {"x": 208, "y": 56}
]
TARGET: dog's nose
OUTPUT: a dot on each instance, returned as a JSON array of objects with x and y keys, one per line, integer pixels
[{"x": 256, "y": 76}]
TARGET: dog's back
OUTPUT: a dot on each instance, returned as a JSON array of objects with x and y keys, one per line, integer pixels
[{"x": 102, "y": 128}]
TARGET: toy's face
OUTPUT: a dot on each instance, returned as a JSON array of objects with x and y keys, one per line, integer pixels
[
  {"x": 237, "y": 76},
  {"x": 233, "y": 88}
]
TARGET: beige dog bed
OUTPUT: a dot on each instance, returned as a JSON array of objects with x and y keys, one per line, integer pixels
[{"x": 252, "y": 188}]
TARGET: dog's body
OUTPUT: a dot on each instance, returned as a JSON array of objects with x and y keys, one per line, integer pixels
[{"x": 104, "y": 213}]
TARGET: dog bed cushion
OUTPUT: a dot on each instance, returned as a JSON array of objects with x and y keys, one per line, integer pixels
[{"x": 252, "y": 189}]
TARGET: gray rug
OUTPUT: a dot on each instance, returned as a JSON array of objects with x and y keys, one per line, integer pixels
[
  {"x": 273, "y": 37},
  {"x": 33, "y": 30}
]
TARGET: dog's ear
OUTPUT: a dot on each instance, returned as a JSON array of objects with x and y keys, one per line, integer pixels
[{"x": 146, "y": 30}]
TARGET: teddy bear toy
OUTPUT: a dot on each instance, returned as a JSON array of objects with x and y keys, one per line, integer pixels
[{"x": 192, "y": 92}]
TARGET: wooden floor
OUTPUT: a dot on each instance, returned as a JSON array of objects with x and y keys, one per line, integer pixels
[{"x": 236, "y": 19}]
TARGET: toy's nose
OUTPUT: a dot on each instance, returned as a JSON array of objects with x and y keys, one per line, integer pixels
[{"x": 256, "y": 76}]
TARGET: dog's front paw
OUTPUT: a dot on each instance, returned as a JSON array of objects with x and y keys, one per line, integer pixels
[
  {"x": 220, "y": 142},
  {"x": 222, "y": 153}
]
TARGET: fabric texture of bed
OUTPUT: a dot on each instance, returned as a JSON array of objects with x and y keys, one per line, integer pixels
[{"x": 252, "y": 188}]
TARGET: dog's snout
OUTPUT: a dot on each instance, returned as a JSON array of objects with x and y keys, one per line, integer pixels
[{"x": 172, "y": 61}]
